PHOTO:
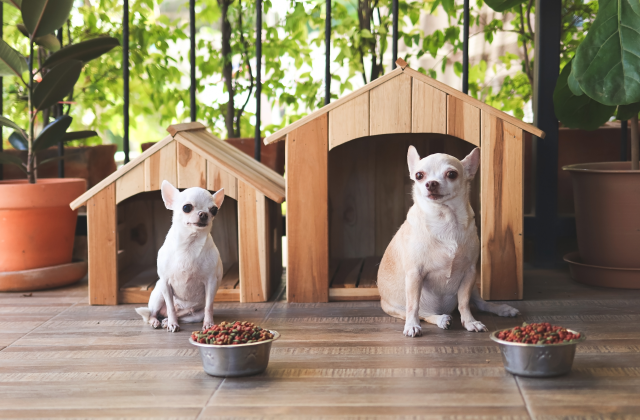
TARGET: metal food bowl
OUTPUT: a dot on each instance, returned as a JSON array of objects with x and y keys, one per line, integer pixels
[
  {"x": 236, "y": 360},
  {"x": 538, "y": 360}
]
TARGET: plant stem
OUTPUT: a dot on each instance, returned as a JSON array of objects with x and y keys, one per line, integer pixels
[
  {"x": 31, "y": 175},
  {"x": 635, "y": 144}
]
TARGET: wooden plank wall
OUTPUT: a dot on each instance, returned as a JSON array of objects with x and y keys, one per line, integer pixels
[
  {"x": 307, "y": 212},
  {"x": 101, "y": 226}
]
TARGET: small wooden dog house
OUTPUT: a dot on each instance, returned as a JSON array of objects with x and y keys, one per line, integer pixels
[
  {"x": 348, "y": 188},
  {"x": 127, "y": 221}
]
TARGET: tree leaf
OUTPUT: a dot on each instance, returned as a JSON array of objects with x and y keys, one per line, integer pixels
[
  {"x": 79, "y": 135},
  {"x": 12, "y": 63},
  {"x": 53, "y": 133},
  {"x": 15, "y": 3},
  {"x": 574, "y": 85},
  {"x": 6, "y": 122},
  {"x": 41, "y": 17},
  {"x": 7, "y": 159},
  {"x": 607, "y": 62},
  {"x": 49, "y": 41},
  {"x": 626, "y": 112},
  {"x": 502, "y": 5},
  {"x": 18, "y": 141},
  {"x": 83, "y": 51},
  {"x": 578, "y": 111},
  {"x": 56, "y": 84}
]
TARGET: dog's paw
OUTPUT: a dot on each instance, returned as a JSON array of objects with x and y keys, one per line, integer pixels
[
  {"x": 164, "y": 322},
  {"x": 154, "y": 322},
  {"x": 444, "y": 322},
  {"x": 173, "y": 327},
  {"x": 412, "y": 330},
  {"x": 474, "y": 326},
  {"x": 207, "y": 325},
  {"x": 506, "y": 310}
]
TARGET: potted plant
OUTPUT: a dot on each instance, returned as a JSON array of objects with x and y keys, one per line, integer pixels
[
  {"x": 603, "y": 80},
  {"x": 37, "y": 226}
]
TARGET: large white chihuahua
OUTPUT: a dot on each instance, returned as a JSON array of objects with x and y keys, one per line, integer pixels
[
  {"x": 430, "y": 265},
  {"x": 189, "y": 264}
]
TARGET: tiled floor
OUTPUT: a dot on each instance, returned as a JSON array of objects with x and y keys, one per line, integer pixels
[{"x": 61, "y": 358}]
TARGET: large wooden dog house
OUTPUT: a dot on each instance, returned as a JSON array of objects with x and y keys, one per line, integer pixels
[
  {"x": 127, "y": 220},
  {"x": 348, "y": 187}
]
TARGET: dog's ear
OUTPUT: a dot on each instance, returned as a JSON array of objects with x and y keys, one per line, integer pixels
[
  {"x": 169, "y": 194},
  {"x": 471, "y": 163},
  {"x": 413, "y": 158},
  {"x": 218, "y": 197}
]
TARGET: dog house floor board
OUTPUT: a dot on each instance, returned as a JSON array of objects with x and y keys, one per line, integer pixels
[
  {"x": 138, "y": 287},
  {"x": 354, "y": 279}
]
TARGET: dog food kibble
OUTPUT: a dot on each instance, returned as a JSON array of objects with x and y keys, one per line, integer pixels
[
  {"x": 230, "y": 333},
  {"x": 542, "y": 333}
]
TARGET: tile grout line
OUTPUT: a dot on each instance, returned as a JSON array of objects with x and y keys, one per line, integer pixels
[
  {"x": 524, "y": 399},
  {"x": 213, "y": 394}
]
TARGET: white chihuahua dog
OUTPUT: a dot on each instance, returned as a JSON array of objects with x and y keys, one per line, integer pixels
[
  {"x": 189, "y": 264},
  {"x": 430, "y": 265}
]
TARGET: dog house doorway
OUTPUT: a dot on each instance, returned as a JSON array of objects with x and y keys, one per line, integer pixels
[{"x": 369, "y": 196}]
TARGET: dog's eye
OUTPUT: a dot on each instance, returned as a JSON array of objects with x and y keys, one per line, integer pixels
[
  {"x": 452, "y": 174},
  {"x": 419, "y": 175},
  {"x": 213, "y": 210},
  {"x": 187, "y": 208}
]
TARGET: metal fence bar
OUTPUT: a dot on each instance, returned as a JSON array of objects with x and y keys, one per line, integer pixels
[
  {"x": 547, "y": 68},
  {"x": 394, "y": 48},
  {"x": 125, "y": 78},
  {"x": 623, "y": 141},
  {"x": 327, "y": 54},
  {"x": 465, "y": 48},
  {"x": 192, "y": 57},
  {"x": 57, "y": 114},
  {"x": 258, "y": 137}
]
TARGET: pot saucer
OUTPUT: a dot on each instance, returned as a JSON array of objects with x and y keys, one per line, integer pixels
[
  {"x": 42, "y": 278},
  {"x": 593, "y": 275}
]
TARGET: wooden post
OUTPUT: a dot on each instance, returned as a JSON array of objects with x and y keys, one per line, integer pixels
[
  {"x": 103, "y": 269},
  {"x": 502, "y": 204},
  {"x": 252, "y": 243},
  {"x": 307, "y": 212}
]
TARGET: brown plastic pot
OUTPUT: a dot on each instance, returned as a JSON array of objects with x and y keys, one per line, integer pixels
[
  {"x": 37, "y": 227},
  {"x": 607, "y": 210}
]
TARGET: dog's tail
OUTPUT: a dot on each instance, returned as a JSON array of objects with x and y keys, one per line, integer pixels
[{"x": 144, "y": 312}]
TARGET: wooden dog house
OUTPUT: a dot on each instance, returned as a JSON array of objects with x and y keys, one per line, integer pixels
[
  {"x": 127, "y": 221},
  {"x": 348, "y": 188}
]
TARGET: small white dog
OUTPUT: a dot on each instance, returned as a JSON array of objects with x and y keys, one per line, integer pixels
[
  {"x": 430, "y": 265},
  {"x": 189, "y": 264}
]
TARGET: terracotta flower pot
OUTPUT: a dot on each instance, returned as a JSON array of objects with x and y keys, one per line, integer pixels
[
  {"x": 607, "y": 202},
  {"x": 37, "y": 227}
]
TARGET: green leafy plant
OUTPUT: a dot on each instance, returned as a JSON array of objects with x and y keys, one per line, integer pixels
[
  {"x": 604, "y": 76},
  {"x": 45, "y": 87}
]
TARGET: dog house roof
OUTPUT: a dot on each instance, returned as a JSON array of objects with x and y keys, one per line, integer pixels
[
  {"x": 198, "y": 139},
  {"x": 405, "y": 101}
]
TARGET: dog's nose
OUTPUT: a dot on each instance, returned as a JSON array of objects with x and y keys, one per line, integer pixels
[
  {"x": 203, "y": 215},
  {"x": 432, "y": 185}
]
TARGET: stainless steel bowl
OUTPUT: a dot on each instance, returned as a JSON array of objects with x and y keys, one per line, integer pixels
[
  {"x": 537, "y": 360},
  {"x": 236, "y": 360}
]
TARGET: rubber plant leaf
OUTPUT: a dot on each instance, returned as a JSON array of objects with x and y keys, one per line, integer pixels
[
  {"x": 502, "y": 5},
  {"x": 79, "y": 135},
  {"x": 7, "y": 159},
  {"x": 626, "y": 112},
  {"x": 83, "y": 51},
  {"x": 574, "y": 85},
  {"x": 15, "y": 3},
  {"x": 53, "y": 133},
  {"x": 6, "y": 122},
  {"x": 578, "y": 111},
  {"x": 49, "y": 41},
  {"x": 42, "y": 17},
  {"x": 607, "y": 62},
  {"x": 56, "y": 84},
  {"x": 12, "y": 63},
  {"x": 18, "y": 141}
]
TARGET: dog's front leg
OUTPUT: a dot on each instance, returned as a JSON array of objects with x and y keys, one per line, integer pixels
[
  {"x": 172, "y": 316},
  {"x": 464, "y": 295},
  {"x": 413, "y": 286},
  {"x": 210, "y": 289}
]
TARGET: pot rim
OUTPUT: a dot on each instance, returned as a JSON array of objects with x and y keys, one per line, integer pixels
[
  {"x": 49, "y": 181},
  {"x": 582, "y": 338},
  {"x": 276, "y": 335},
  {"x": 589, "y": 168},
  {"x": 568, "y": 258}
]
